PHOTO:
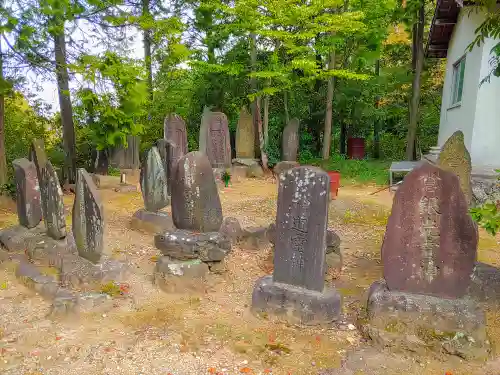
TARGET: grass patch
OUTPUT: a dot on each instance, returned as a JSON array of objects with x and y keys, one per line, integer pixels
[
  {"x": 356, "y": 172},
  {"x": 367, "y": 216}
]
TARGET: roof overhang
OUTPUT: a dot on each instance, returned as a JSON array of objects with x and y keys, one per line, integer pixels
[{"x": 443, "y": 23}]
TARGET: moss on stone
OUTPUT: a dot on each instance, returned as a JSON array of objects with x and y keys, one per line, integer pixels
[
  {"x": 430, "y": 334},
  {"x": 396, "y": 326}
]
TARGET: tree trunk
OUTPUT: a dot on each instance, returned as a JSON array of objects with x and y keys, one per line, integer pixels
[
  {"x": 376, "y": 129},
  {"x": 69, "y": 175},
  {"x": 285, "y": 101},
  {"x": 418, "y": 62},
  {"x": 343, "y": 136},
  {"x": 327, "y": 135},
  {"x": 265, "y": 124},
  {"x": 147, "y": 50},
  {"x": 3, "y": 158},
  {"x": 257, "y": 120},
  {"x": 102, "y": 162}
]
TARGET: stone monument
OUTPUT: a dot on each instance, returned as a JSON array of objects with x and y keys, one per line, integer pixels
[
  {"x": 87, "y": 219},
  {"x": 245, "y": 135},
  {"x": 214, "y": 139},
  {"x": 428, "y": 255},
  {"x": 155, "y": 195},
  {"x": 170, "y": 154},
  {"x": 29, "y": 208},
  {"x": 455, "y": 158},
  {"x": 196, "y": 245},
  {"x": 296, "y": 290},
  {"x": 290, "y": 145},
  {"x": 175, "y": 132}
]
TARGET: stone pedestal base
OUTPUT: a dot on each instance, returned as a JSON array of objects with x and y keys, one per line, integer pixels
[
  {"x": 179, "y": 276},
  {"x": 422, "y": 323},
  {"x": 186, "y": 245},
  {"x": 152, "y": 222},
  {"x": 294, "y": 304}
]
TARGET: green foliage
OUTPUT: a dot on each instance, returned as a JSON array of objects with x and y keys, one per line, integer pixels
[
  {"x": 488, "y": 215},
  {"x": 8, "y": 189}
]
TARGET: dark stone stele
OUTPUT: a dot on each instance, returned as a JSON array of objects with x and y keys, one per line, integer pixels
[
  {"x": 290, "y": 140},
  {"x": 29, "y": 208},
  {"x": 422, "y": 323},
  {"x": 296, "y": 290},
  {"x": 51, "y": 193},
  {"x": 39, "y": 158},
  {"x": 88, "y": 218},
  {"x": 431, "y": 241},
  {"x": 170, "y": 154},
  {"x": 214, "y": 139},
  {"x": 196, "y": 204},
  {"x": 154, "y": 182},
  {"x": 185, "y": 245},
  {"x": 175, "y": 132}
]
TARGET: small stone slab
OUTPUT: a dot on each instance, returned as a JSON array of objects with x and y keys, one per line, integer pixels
[
  {"x": 154, "y": 182},
  {"x": 152, "y": 222},
  {"x": 175, "y": 132},
  {"x": 29, "y": 275},
  {"x": 29, "y": 205},
  {"x": 52, "y": 194},
  {"x": 255, "y": 238},
  {"x": 125, "y": 188},
  {"x": 420, "y": 323},
  {"x": 15, "y": 238},
  {"x": 296, "y": 305},
  {"x": 90, "y": 301},
  {"x": 430, "y": 242},
  {"x": 195, "y": 199},
  {"x": 177, "y": 276},
  {"x": 245, "y": 135},
  {"x": 185, "y": 245},
  {"x": 290, "y": 140},
  {"x": 88, "y": 218},
  {"x": 214, "y": 139},
  {"x": 455, "y": 158}
]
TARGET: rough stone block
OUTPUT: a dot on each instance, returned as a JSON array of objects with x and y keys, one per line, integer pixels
[
  {"x": 91, "y": 301},
  {"x": 15, "y": 238},
  {"x": 485, "y": 285},
  {"x": 185, "y": 245},
  {"x": 77, "y": 271},
  {"x": 284, "y": 166},
  {"x": 29, "y": 275},
  {"x": 46, "y": 251},
  {"x": 255, "y": 171},
  {"x": 422, "y": 323},
  {"x": 64, "y": 303},
  {"x": 255, "y": 238},
  {"x": 334, "y": 264},
  {"x": 231, "y": 228},
  {"x": 175, "y": 276},
  {"x": 152, "y": 222},
  {"x": 126, "y": 188},
  {"x": 295, "y": 304}
]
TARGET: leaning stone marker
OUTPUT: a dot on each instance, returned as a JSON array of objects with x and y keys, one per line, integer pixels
[
  {"x": 296, "y": 290},
  {"x": 175, "y": 132},
  {"x": 290, "y": 140},
  {"x": 29, "y": 209},
  {"x": 88, "y": 220},
  {"x": 214, "y": 139},
  {"x": 430, "y": 241},
  {"x": 245, "y": 136},
  {"x": 428, "y": 255},
  {"x": 455, "y": 158},
  {"x": 195, "y": 200},
  {"x": 51, "y": 193},
  {"x": 154, "y": 182}
]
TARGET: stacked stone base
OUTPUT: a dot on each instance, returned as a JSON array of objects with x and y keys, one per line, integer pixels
[
  {"x": 74, "y": 283},
  {"x": 425, "y": 324},
  {"x": 294, "y": 304},
  {"x": 188, "y": 257},
  {"x": 152, "y": 222}
]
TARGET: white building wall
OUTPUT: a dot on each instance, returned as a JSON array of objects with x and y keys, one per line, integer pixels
[
  {"x": 461, "y": 117},
  {"x": 485, "y": 148}
]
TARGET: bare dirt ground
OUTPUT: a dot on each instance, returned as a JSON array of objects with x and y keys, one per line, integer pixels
[{"x": 214, "y": 332}]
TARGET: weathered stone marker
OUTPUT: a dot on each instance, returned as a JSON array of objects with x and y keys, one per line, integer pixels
[
  {"x": 39, "y": 158},
  {"x": 88, "y": 219},
  {"x": 296, "y": 290},
  {"x": 214, "y": 139},
  {"x": 154, "y": 182},
  {"x": 52, "y": 195},
  {"x": 175, "y": 132},
  {"x": 29, "y": 209},
  {"x": 170, "y": 154},
  {"x": 245, "y": 136},
  {"x": 428, "y": 256},
  {"x": 430, "y": 241},
  {"x": 195, "y": 200},
  {"x": 455, "y": 158},
  {"x": 290, "y": 145}
]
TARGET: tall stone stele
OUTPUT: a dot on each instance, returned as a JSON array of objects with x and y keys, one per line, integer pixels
[
  {"x": 245, "y": 136},
  {"x": 154, "y": 193},
  {"x": 454, "y": 157},
  {"x": 428, "y": 255},
  {"x": 290, "y": 141},
  {"x": 175, "y": 132},
  {"x": 214, "y": 139},
  {"x": 170, "y": 154},
  {"x": 88, "y": 218},
  {"x": 296, "y": 290},
  {"x": 29, "y": 206}
]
